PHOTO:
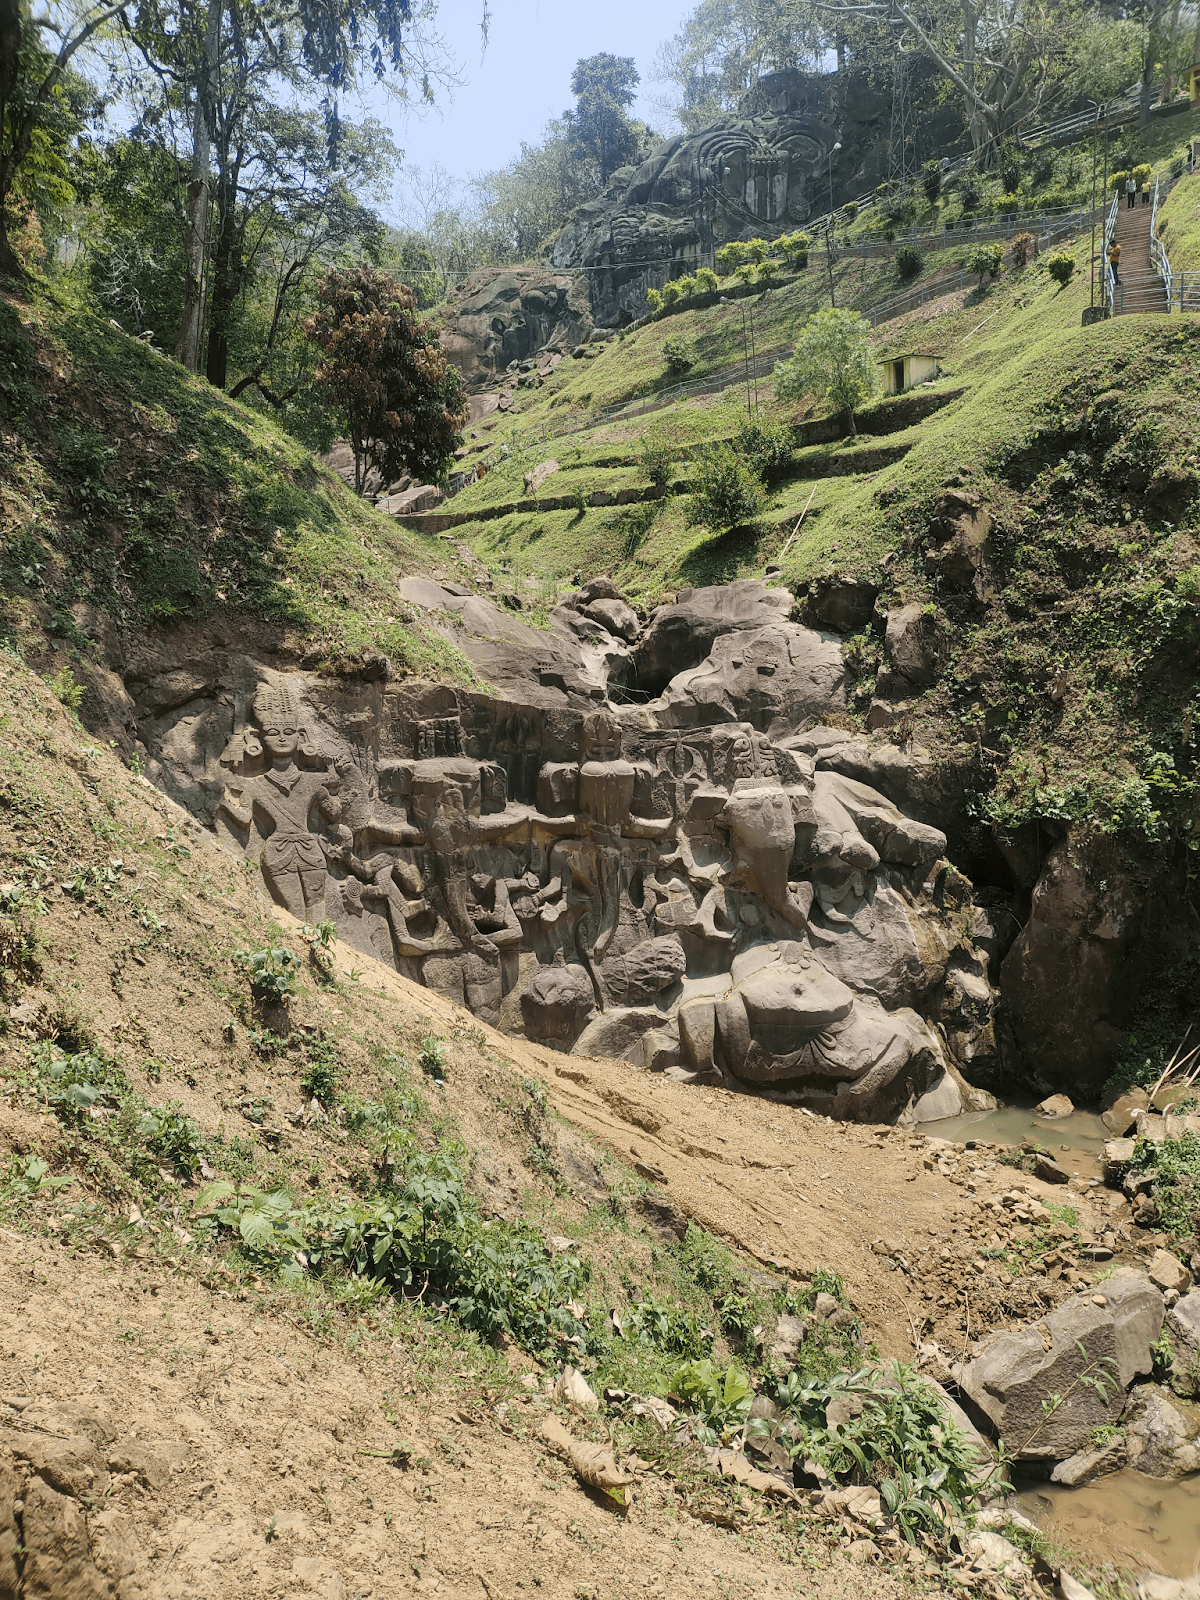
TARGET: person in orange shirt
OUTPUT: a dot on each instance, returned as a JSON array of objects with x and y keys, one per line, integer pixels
[{"x": 1114, "y": 260}]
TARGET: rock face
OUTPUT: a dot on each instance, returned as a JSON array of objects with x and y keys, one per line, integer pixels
[
  {"x": 1075, "y": 943},
  {"x": 759, "y": 172},
  {"x": 663, "y": 882},
  {"x": 505, "y": 316}
]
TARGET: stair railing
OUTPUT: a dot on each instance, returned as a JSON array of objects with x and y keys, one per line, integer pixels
[
  {"x": 1110, "y": 282},
  {"x": 1158, "y": 252}
]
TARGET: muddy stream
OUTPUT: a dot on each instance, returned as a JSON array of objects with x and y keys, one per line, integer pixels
[{"x": 1126, "y": 1518}]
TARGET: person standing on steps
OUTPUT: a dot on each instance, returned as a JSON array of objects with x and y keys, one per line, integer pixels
[
  {"x": 1146, "y": 192},
  {"x": 1130, "y": 192},
  {"x": 1114, "y": 261}
]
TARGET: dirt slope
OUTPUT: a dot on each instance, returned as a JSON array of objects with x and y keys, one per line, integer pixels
[{"x": 193, "y": 1429}]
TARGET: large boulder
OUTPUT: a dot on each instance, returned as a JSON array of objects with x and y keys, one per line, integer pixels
[
  {"x": 682, "y": 635},
  {"x": 506, "y": 314},
  {"x": 1012, "y": 1374},
  {"x": 1074, "y": 943},
  {"x": 1161, "y": 1441},
  {"x": 910, "y": 644},
  {"x": 770, "y": 677}
]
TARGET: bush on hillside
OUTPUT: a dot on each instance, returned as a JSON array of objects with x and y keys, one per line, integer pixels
[
  {"x": 654, "y": 302},
  {"x": 767, "y": 270},
  {"x": 730, "y": 257},
  {"x": 834, "y": 361},
  {"x": 656, "y": 457},
  {"x": 850, "y": 210},
  {"x": 706, "y": 280},
  {"x": 766, "y": 447},
  {"x": 794, "y": 248},
  {"x": 970, "y": 194},
  {"x": 746, "y": 273},
  {"x": 931, "y": 180},
  {"x": 670, "y": 292},
  {"x": 1141, "y": 173},
  {"x": 985, "y": 259},
  {"x": 686, "y": 286},
  {"x": 1023, "y": 249},
  {"x": 909, "y": 261},
  {"x": 1061, "y": 267},
  {"x": 756, "y": 251},
  {"x": 677, "y": 356},
  {"x": 725, "y": 491},
  {"x": 1116, "y": 181}
]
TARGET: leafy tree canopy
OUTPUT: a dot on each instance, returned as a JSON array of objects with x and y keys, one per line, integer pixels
[{"x": 832, "y": 360}]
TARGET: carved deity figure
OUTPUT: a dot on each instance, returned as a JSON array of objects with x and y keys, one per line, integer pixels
[
  {"x": 787, "y": 1021},
  {"x": 278, "y": 802},
  {"x": 604, "y": 817}
]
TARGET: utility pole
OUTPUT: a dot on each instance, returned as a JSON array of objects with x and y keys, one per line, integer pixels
[{"x": 829, "y": 229}]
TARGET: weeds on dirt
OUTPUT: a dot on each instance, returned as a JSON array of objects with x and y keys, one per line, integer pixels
[
  {"x": 1175, "y": 1164},
  {"x": 272, "y": 973}
]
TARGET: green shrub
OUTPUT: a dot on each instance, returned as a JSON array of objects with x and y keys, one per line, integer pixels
[
  {"x": 986, "y": 259},
  {"x": 766, "y": 447},
  {"x": 686, "y": 287},
  {"x": 1023, "y": 249},
  {"x": 794, "y": 247},
  {"x": 1141, "y": 173},
  {"x": 726, "y": 493},
  {"x": 427, "y": 1238},
  {"x": 670, "y": 292},
  {"x": 677, "y": 356},
  {"x": 272, "y": 973},
  {"x": 722, "y": 1399},
  {"x": 903, "y": 1441},
  {"x": 1116, "y": 181},
  {"x": 706, "y": 280},
  {"x": 654, "y": 301},
  {"x": 970, "y": 194},
  {"x": 1061, "y": 267},
  {"x": 730, "y": 257},
  {"x": 850, "y": 210},
  {"x": 766, "y": 271},
  {"x": 756, "y": 251},
  {"x": 931, "y": 180},
  {"x": 909, "y": 261},
  {"x": 746, "y": 272},
  {"x": 656, "y": 458},
  {"x": 1175, "y": 1164}
]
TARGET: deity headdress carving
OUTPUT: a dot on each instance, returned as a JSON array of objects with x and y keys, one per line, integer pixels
[
  {"x": 277, "y": 705},
  {"x": 600, "y": 737}
]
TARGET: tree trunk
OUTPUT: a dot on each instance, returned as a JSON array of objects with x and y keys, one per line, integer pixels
[
  {"x": 225, "y": 281},
  {"x": 187, "y": 346},
  {"x": 10, "y": 267}
]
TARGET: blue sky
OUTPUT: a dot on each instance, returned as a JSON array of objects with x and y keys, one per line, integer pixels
[{"x": 524, "y": 78}]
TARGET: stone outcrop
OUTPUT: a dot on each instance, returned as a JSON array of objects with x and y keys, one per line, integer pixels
[
  {"x": 666, "y": 882},
  {"x": 502, "y": 316},
  {"x": 762, "y": 171},
  {"x": 1086, "y": 1351},
  {"x": 1075, "y": 942}
]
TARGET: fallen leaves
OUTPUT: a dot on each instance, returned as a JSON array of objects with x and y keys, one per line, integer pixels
[{"x": 594, "y": 1464}]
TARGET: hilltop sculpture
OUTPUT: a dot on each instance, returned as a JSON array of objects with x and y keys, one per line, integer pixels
[{"x": 761, "y": 171}]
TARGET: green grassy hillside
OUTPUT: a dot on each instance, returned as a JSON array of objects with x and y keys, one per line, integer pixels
[{"x": 136, "y": 491}]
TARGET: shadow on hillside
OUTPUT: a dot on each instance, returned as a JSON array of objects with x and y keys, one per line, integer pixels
[{"x": 722, "y": 559}]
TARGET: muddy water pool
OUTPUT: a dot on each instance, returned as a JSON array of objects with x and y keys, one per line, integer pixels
[
  {"x": 1076, "y": 1142},
  {"x": 1126, "y": 1519}
]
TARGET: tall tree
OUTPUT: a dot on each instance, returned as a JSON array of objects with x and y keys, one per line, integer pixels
[
  {"x": 600, "y": 127},
  {"x": 32, "y": 82},
  {"x": 227, "y": 57},
  {"x": 401, "y": 400}
]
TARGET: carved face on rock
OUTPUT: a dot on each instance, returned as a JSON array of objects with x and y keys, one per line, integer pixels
[
  {"x": 278, "y": 714},
  {"x": 600, "y": 738}
]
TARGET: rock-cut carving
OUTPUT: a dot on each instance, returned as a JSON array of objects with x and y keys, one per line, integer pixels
[{"x": 699, "y": 900}]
